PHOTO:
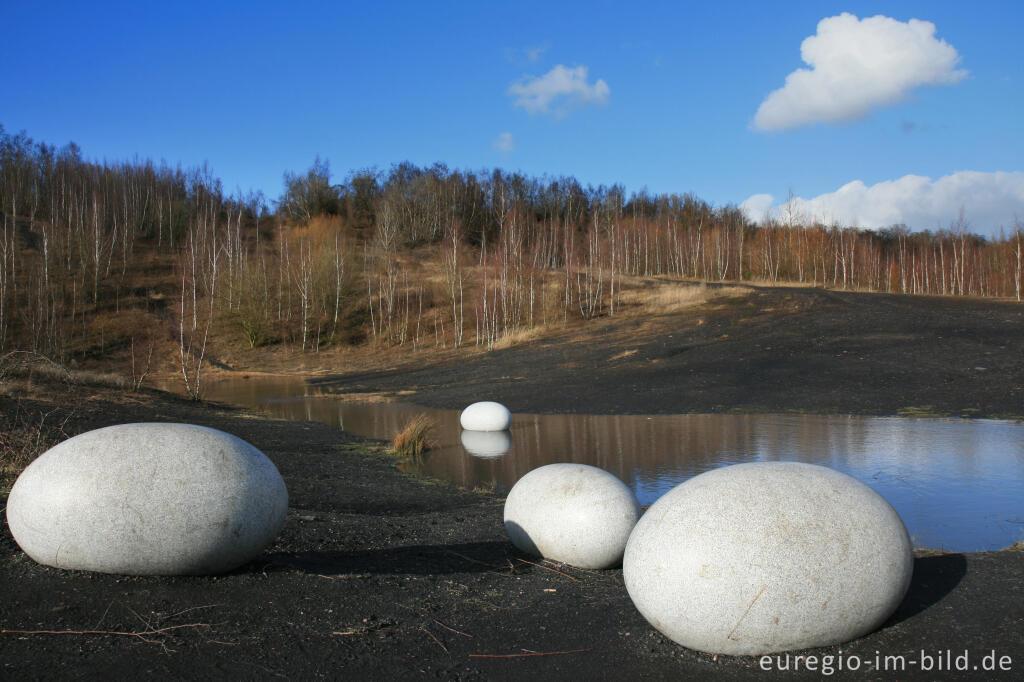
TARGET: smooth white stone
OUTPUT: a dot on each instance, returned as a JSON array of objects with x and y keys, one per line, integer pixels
[
  {"x": 573, "y": 513},
  {"x": 148, "y": 499},
  {"x": 769, "y": 556},
  {"x": 487, "y": 444},
  {"x": 485, "y": 416}
]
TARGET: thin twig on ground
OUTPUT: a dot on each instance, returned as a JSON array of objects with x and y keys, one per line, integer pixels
[
  {"x": 458, "y": 632},
  {"x": 347, "y": 576},
  {"x": 531, "y": 653},
  {"x": 105, "y": 612},
  {"x": 548, "y": 568},
  {"x": 436, "y": 640},
  {"x": 471, "y": 559},
  {"x": 142, "y": 635},
  {"x": 366, "y": 629},
  {"x": 147, "y": 634},
  {"x": 194, "y": 608}
]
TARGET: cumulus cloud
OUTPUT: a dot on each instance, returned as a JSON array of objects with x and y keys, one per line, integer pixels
[
  {"x": 759, "y": 207},
  {"x": 504, "y": 143},
  {"x": 989, "y": 201},
  {"x": 558, "y": 91},
  {"x": 857, "y": 65}
]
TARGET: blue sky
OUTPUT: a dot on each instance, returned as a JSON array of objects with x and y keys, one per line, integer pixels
[{"x": 657, "y": 95}]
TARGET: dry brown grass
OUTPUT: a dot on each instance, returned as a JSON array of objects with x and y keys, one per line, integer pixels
[
  {"x": 665, "y": 297},
  {"x": 414, "y": 438},
  {"x": 662, "y": 297},
  {"x": 26, "y": 364},
  {"x": 31, "y": 367},
  {"x": 24, "y": 435},
  {"x": 519, "y": 337},
  {"x": 91, "y": 378},
  {"x": 638, "y": 296}
]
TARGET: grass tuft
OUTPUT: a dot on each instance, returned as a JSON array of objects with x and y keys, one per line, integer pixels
[
  {"x": 519, "y": 337},
  {"x": 414, "y": 438}
]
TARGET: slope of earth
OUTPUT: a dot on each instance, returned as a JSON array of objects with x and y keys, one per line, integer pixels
[{"x": 761, "y": 350}]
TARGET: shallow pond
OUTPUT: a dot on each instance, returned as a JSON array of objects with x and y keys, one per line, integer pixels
[{"x": 958, "y": 484}]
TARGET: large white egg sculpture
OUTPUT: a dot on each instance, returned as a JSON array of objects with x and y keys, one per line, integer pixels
[
  {"x": 485, "y": 416},
  {"x": 148, "y": 499},
  {"x": 573, "y": 513},
  {"x": 766, "y": 557}
]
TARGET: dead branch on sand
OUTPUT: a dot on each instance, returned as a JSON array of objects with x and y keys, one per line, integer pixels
[{"x": 528, "y": 654}]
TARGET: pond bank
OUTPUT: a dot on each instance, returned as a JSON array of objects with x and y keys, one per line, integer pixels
[
  {"x": 378, "y": 574},
  {"x": 957, "y": 483}
]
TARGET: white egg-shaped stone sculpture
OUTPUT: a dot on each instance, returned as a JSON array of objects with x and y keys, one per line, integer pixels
[
  {"x": 487, "y": 444},
  {"x": 766, "y": 557},
  {"x": 148, "y": 499},
  {"x": 573, "y": 513},
  {"x": 485, "y": 416}
]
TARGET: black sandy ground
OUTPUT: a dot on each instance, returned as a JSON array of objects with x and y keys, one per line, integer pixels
[
  {"x": 378, "y": 575},
  {"x": 751, "y": 350}
]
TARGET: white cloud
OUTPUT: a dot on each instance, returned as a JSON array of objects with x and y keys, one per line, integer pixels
[
  {"x": 534, "y": 53},
  {"x": 857, "y": 65},
  {"x": 989, "y": 200},
  {"x": 758, "y": 207},
  {"x": 557, "y": 91},
  {"x": 504, "y": 143},
  {"x": 525, "y": 55}
]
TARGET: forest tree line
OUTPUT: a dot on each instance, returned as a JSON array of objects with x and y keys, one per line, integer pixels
[{"x": 96, "y": 256}]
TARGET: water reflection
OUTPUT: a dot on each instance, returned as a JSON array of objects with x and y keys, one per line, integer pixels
[
  {"x": 487, "y": 444},
  {"x": 958, "y": 484}
]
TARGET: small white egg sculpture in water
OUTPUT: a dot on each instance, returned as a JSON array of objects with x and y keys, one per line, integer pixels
[
  {"x": 485, "y": 416},
  {"x": 573, "y": 513},
  {"x": 768, "y": 556},
  {"x": 487, "y": 444},
  {"x": 148, "y": 499}
]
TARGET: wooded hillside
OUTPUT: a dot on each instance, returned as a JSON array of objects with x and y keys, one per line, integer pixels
[{"x": 99, "y": 258}]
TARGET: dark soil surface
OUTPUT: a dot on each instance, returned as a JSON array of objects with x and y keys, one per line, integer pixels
[
  {"x": 379, "y": 575},
  {"x": 766, "y": 350}
]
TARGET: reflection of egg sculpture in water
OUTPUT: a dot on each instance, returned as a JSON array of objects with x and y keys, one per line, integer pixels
[
  {"x": 573, "y": 513},
  {"x": 148, "y": 499},
  {"x": 487, "y": 444},
  {"x": 485, "y": 416},
  {"x": 768, "y": 556}
]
